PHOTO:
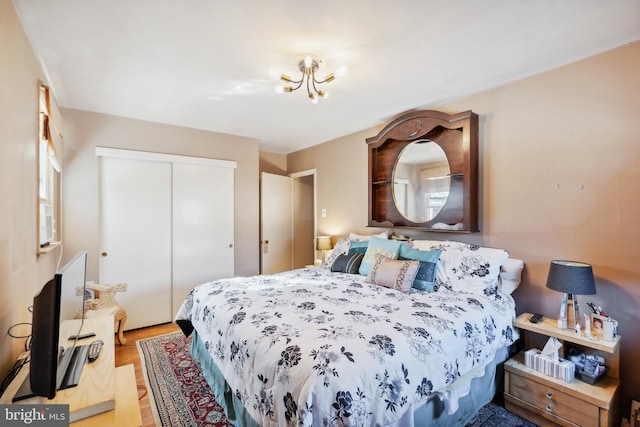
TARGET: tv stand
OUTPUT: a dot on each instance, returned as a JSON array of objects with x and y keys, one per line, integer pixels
[
  {"x": 70, "y": 364},
  {"x": 96, "y": 391}
]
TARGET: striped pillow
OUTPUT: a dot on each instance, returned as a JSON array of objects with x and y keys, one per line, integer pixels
[{"x": 347, "y": 263}]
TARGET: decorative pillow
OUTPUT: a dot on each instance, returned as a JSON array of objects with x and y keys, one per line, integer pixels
[
  {"x": 465, "y": 267},
  {"x": 426, "y": 277},
  {"x": 361, "y": 237},
  {"x": 358, "y": 247},
  {"x": 394, "y": 274},
  {"x": 347, "y": 263},
  {"x": 341, "y": 247},
  {"x": 388, "y": 248}
]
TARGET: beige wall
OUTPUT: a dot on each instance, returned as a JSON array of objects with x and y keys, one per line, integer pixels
[
  {"x": 559, "y": 179},
  {"x": 22, "y": 272},
  {"x": 84, "y": 131},
  {"x": 274, "y": 163}
]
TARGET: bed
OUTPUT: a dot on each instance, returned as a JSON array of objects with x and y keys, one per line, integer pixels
[{"x": 354, "y": 345}]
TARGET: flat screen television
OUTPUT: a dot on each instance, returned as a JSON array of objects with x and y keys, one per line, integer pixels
[
  {"x": 50, "y": 368},
  {"x": 45, "y": 332}
]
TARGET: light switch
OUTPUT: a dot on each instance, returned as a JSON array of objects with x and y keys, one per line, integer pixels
[{"x": 324, "y": 213}]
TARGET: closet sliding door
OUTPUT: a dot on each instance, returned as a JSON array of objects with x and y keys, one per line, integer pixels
[
  {"x": 135, "y": 229},
  {"x": 202, "y": 226},
  {"x": 167, "y": 225}
]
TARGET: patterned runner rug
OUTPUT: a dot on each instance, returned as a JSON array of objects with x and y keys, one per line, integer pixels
[{"x": 183, "y": 398}]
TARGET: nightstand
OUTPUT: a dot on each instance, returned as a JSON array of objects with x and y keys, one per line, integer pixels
[{"x": 549, "y": 401}]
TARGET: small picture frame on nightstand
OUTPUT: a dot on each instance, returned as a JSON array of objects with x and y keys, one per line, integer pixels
[{"x": 597, "y": 324}]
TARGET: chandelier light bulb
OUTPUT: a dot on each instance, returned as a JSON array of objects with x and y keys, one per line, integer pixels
[
  {"x": 308, "y": 67},
  {"x": 308, "y": 61}
]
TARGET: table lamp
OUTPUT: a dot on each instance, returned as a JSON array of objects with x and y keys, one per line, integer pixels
[
  {"x": 323, "y": 244},
  {"x": 571, "y": 278}
]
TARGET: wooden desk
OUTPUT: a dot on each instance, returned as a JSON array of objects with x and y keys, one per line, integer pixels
[
  {"x": 127, "y": 412},
  {"x": 96, "y": 390}
]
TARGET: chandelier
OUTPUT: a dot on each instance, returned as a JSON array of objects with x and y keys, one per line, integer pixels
[{"x": 308, "y": 66}]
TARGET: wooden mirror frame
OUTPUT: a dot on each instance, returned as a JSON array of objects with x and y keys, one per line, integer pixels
[{"x": 457, "y": 135}]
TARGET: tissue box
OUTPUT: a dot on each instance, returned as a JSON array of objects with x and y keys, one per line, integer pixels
[{"x": 561, "y": 369}]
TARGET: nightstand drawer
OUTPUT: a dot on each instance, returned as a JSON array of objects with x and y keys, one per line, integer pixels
[{"x": 553, "y": 401}]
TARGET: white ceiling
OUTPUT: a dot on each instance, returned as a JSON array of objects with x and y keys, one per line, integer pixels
[{"x": 208, "y": 64}]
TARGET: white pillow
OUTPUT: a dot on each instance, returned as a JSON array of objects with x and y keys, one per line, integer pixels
[
  {"x": 510, "y": 275},
  {"x": 464, "y": 267}
]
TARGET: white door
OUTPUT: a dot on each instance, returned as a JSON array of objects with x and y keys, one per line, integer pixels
[
  {"x": 135, "y": 228},
  {"x": 203, "y": 235},
  {"x": 276, "y": 231}
]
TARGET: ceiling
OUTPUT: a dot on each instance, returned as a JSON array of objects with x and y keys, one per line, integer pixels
[{"x": 209, "y": 64}]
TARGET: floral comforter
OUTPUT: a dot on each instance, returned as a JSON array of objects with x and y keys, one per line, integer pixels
[{"x": 313, "y": 348}]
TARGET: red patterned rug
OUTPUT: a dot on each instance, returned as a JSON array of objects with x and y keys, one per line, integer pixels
[
  {"x": 183, "y": 398},
  {"x": 175, "y": 383}
]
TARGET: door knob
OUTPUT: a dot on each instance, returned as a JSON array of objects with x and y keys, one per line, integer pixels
[{"x": 103, "y": 254}]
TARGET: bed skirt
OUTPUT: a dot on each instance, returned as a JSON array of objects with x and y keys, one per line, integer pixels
[{"x": 432, "y": 413}]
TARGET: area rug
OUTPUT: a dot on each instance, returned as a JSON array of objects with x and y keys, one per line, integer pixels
[{"x": 182, "y": 396}]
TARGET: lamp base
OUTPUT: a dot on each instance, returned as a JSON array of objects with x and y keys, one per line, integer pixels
[{"x": 569, "y": 317}]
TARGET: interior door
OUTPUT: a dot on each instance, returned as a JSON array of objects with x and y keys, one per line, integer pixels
[
  {"x": 276, "y": 230},
  {"x": 135, "y": 236},
  {"x": 203, "y": 220}
]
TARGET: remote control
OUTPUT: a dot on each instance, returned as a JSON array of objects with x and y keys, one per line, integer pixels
[
  {"x": 94, "y": 350},
  {"x": 535, "y": 318},
  {"x": 82, "y": 336}
]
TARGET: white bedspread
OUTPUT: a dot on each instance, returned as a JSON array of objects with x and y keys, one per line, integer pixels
[{"x": 314, "y": 348}]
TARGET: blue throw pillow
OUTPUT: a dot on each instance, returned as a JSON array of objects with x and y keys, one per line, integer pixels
[
  {"x": 426, "y": 277},
  {"x": 388, "y": 248},
  {"x": 358, "y": 247}
]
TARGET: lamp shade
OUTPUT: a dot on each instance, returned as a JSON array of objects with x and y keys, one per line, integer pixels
[
  {"x": 571, "y": 277},
  {"x": 324, "y": 243}
]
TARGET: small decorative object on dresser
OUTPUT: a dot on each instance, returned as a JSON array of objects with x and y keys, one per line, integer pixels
[
  {"x": 547, "y": 400},
  {"x": 104, "y": 304}
]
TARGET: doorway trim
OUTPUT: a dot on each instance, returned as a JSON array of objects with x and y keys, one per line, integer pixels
[{"x": 311, "y": 172}]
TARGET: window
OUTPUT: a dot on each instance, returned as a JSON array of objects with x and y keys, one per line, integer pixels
[{"x": 48, "y": 174}]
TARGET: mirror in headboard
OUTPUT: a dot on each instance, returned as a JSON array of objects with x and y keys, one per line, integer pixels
[{"x": 423, "y": 172}]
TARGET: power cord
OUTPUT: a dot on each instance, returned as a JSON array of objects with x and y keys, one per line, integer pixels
[
  {"x": 27, "y": 337},
  {"x": 22, "y": 359},
  {"x": 144, "y": 391},
  {"x": 60, "y": 257}
]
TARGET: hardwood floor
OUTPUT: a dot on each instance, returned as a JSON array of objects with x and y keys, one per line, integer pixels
[{"x": 128, "y": 353}]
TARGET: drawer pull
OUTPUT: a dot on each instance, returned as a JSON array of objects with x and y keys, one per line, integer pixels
[
  {"x": 549, "y": 408},
  {"x": 549, "y": 394}
]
